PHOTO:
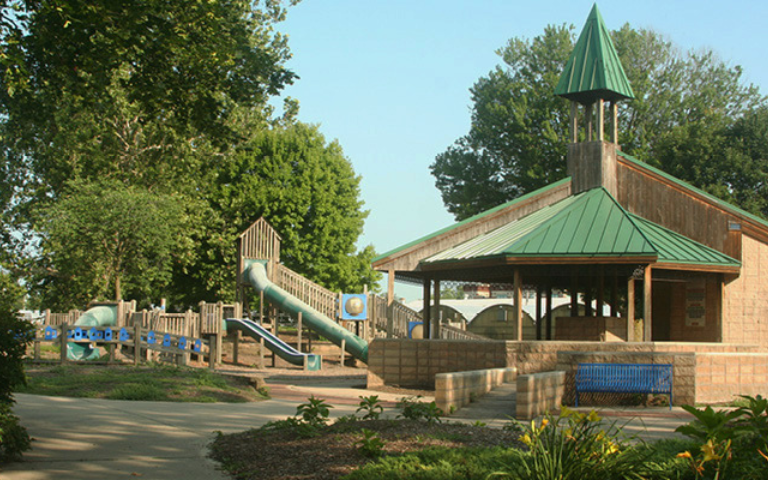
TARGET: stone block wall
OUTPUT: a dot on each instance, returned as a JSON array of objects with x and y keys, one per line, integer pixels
[
  {"x": 745, "y": 298},
  {"x": 539, "y": 393},
  {"x": 720, "y": 377},
  {"x": 414, "y": 363},
  {"x": 591, "y": 329},
  {"x": 457, "y": 389}
]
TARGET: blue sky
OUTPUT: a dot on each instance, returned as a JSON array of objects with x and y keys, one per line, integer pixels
[{"x": 390, "y": 79}]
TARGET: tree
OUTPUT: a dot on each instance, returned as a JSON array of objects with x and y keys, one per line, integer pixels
[
  {"x": 105, "y": 239},
  {"x": 144, "y": 92},
  {"x": 517, "y": 140},
  {"x": 307, "y": 190}
]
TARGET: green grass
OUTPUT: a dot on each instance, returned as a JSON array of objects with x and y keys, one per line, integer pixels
[{"x": 145, "y": 383}]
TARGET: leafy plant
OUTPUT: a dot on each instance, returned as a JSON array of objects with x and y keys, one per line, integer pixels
[
  {"x": 315, "y": 412},
  {"x": 413, "y": 409},
  {"x": 371, "y": 445},
  {"x": 371, "y": 407},
  {"x": 710, "y": 424},
  {"x": 14, "y": 439},
  {"x": 575, "y": 446}
]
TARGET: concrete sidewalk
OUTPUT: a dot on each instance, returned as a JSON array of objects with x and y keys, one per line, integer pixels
[{"x": 88, "y": 439}]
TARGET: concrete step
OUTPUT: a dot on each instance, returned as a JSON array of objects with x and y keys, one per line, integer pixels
[{"x": 494, "y": 408}]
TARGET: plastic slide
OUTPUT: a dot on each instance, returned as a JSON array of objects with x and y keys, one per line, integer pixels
[
  {"x": 100, "y": 316},
  {"x": 256, "y": 274},
  {"x": 282, "y": 349}
]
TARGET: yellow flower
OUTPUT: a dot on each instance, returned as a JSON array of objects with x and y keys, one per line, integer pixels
[
  {"x": 708, "y": 449},
  {"x": 526, "y": 439},
  {"x": 544, "y": 423},
  {"x": 684, "y": 455},
  {"x": 593, "y": 416}
]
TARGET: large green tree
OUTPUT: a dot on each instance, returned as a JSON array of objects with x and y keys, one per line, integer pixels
[
  {"x": 307, "y": 190},
  {"x": 107, "y": 240},
  {"x": 517, "y": 139}
]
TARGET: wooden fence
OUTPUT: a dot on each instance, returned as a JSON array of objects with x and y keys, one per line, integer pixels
[
  {"x": 448, "y": 332},
  {"x": 309, "y": 292}
]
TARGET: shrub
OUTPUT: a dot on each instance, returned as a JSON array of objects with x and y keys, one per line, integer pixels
[
  {"x": 15, "y": 335},
  {"x": 413, "y": 409},
  {"x": 371, "y": 407},
  {"x": 575, "y": 446}
]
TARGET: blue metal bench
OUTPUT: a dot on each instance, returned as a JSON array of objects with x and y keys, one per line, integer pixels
[{"x": 624, "y": 378}]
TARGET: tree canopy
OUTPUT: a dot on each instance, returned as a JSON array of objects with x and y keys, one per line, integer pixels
[
  {"x": 517, "y": 139},
  {"x": 123, "y": 118}
]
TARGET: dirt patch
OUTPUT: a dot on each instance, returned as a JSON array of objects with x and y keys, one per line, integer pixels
[{"x": 285, "y": 455}]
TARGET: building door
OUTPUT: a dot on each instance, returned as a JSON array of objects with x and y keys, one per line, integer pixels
[{"x": 661, "y": 311}]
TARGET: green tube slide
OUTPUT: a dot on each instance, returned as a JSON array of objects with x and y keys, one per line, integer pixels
[
  {"x": 256, "y": 274},
  {"x": 100, "y": 316}
]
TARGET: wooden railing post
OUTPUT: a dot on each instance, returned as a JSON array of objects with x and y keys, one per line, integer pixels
[
  {"x": 63, "y": 343},
  {"x": 343, "y": 351},
  {"x": 137, "y": 343},
  {"x": 300, "y": 327},
  {"x": 212, "y": 351}
]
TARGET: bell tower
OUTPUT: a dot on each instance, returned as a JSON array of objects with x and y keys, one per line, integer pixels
[{"x": 593, "y": 79}]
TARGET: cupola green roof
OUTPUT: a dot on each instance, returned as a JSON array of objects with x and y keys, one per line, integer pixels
[{"x": 594, "y": 70}]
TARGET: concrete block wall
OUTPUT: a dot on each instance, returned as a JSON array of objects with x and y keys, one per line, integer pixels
[
  {"x": 720, "y": 377},
  {"x": 457, "y": 389},
  {"x": 539, "y": 393},
  {"x": 594, "y": 329},
  {"x": 414, "y": 363},
  {"x": 745, "y": 299}
]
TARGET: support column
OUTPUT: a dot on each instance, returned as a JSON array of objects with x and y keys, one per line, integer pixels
[
  {"x": 600, "y": 293},
  {"x": 518, "y": 286},
  {"x": 390, "y": 286},
  {"x": 435, "y": 331},
  {"x": 588, "y": 296},
  {"x": 631, "y": 309},
  {"x": 614, "y": 122},
  {"x": 647, "y": 304},
  {"x": 574, "y": 296},
  {"x": 588, "y": 112},
  {"x": 574, "y": 120},
  {"x": 614, "y": 296},
  {"x": 426, "y": 312},
  {"x": 539, "y": 313},
  {"x": 548, "y": 293},
  {"x": 600, "y": 104}
]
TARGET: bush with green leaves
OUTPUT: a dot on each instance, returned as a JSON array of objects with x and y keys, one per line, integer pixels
[
  {"x": 309, "y": 419},
  {"x": 15, "y": 335},
  {"x": 371, "y": 445},
  {"x": 729, "y": 443},
  {"x": 575, "y": 446},
  {"x": 370, "y": 407},
  {"x": 411, "y": 408}
]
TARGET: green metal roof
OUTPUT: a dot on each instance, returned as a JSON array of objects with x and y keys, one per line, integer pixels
[
  {"x": 591, "y": 224},
  {"x": 675, "y": 248},
  {"x": 473, "y": 218},
  {"x": 594, "y": 70}
]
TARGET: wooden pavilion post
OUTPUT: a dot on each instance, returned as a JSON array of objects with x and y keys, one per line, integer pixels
[
  {"x": 600, "y": 292},
  {"x": 574, "y": 123},
  {"x": 435, "y": 331},
  {"x": 647, "y": 304},
  {"x": 631, "y": 309},
  {"x": 518, "y": 287},
  {"x": 539, "y": 313},
  {"x": 600, "y": 104},
  {"x": 614, "y": 295},
  {"x": 390, "y": 286},
  {"x": 426, "y": 312},
  {"x": 614, "y": 122},
  {"x": 574, "y": 295},
  {"x": 548, "y": 293}
]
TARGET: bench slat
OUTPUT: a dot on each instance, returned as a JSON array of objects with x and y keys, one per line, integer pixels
[{"x": 624, "y": 378}]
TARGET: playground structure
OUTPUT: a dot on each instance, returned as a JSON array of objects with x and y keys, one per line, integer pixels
[{"x": 283, "y": 294}]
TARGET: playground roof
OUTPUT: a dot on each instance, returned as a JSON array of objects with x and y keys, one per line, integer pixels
[
  {"x": 589, "y": 225},
  {"x": 594, "y": 70}
]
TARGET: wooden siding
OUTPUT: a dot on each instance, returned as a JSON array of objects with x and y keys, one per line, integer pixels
[
  {"x": 260, "y": 241},
  {"x": 654, "y": 198}
]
